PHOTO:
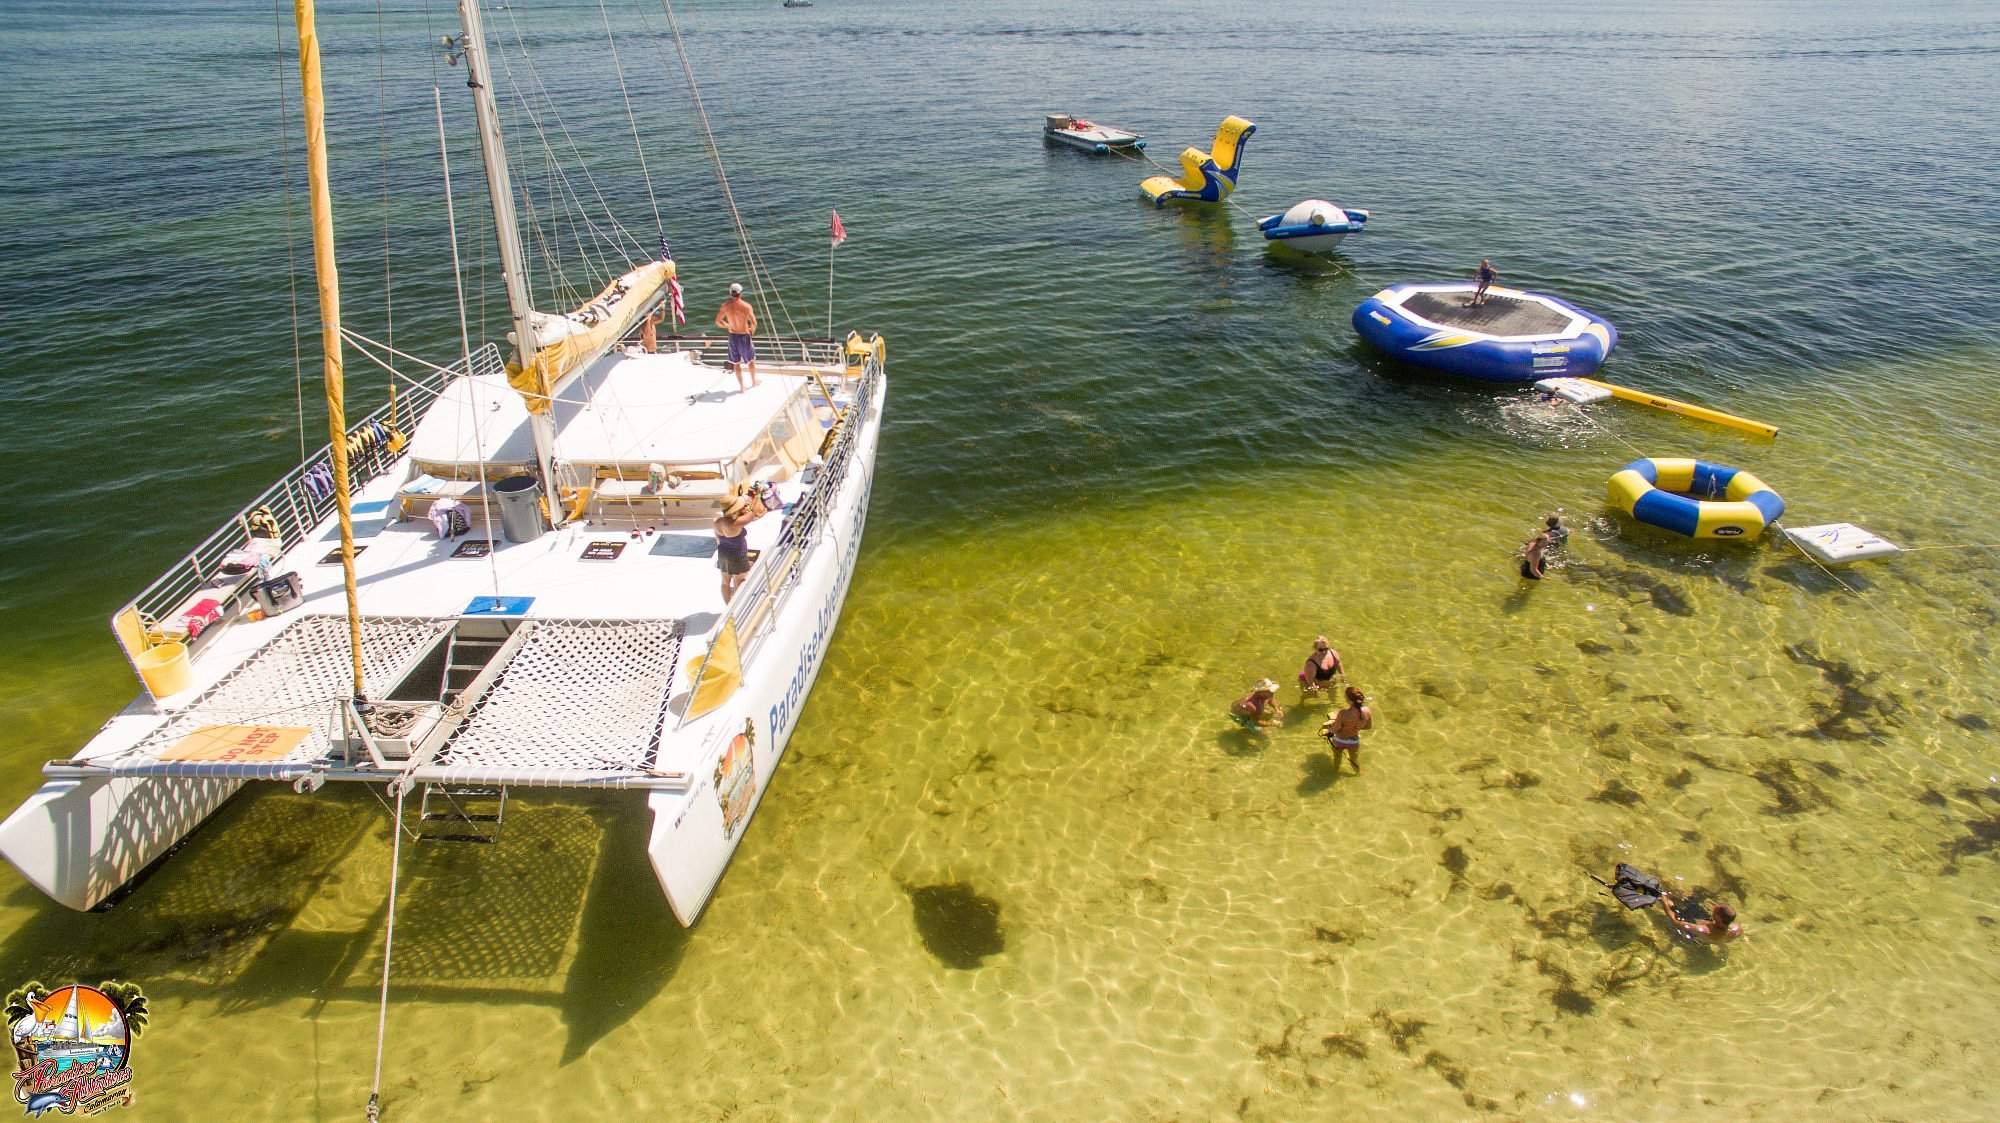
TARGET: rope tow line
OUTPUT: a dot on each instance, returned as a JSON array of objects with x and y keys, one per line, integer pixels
[{"x": 374, "y": 1111}]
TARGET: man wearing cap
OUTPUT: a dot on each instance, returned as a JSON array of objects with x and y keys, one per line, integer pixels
[{"x": 739, "y": 321}]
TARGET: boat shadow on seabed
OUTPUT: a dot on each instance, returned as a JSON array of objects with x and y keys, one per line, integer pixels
[{"x": 563, "y": 912}]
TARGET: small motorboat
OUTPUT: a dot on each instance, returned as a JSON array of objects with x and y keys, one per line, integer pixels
[
  {"x": 1313, "y": 226},
  {"x": 1076, "y": 132}
]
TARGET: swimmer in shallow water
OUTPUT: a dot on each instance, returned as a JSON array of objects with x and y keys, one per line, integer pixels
[
  {"x": 1258, "y": 709},
  {"x": 1343, "y": 729},
  {"x": 1720, "y": 927},
  {"x": 1322, "y": 667}
]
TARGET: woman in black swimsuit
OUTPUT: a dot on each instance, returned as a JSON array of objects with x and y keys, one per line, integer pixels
[
  {"x": 1322, "y": 667},
  {"x": 732, "y": 545}
]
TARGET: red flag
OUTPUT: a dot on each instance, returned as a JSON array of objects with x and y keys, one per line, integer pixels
[
  {"x": 839, "y": 231},
  {"x": 677, "y": 299}
]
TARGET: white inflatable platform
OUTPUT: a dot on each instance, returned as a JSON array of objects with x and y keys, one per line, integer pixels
[{"x": 1841, "y": 542}]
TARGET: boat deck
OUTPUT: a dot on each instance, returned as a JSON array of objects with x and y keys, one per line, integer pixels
[
  {"x": 588, "y": 619},
  {"x": 1499, "y": 315}
]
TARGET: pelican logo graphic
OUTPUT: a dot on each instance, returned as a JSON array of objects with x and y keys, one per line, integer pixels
[{"x": 74, "y": 1046}]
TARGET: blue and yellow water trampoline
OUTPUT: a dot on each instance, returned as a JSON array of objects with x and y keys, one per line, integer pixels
[
  {"x": 1695, "y": 498},
  {"x": 1513, "y": 336}
]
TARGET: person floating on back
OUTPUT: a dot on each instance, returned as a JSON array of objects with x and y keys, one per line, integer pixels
[
  {"x": 1258, "y": 709},
  {"x": 1486, "y": 275},
  {"x": 739, "y": 320},
  {"x": 1343, "y": 729},
  {"x": 1322, "y": 667}
]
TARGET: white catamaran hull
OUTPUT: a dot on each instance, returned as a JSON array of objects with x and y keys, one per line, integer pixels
[
  {"x": 81, "y": 840},
  {"x": 695, "y": 833}
]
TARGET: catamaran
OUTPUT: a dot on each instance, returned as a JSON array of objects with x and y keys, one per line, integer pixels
[{"x": 503, "y": 579}]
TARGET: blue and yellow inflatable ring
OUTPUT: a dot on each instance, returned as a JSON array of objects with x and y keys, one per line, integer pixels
[{"x": 1695, "y": 498}]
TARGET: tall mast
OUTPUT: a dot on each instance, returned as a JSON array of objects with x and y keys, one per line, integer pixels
[
  {"x": 329, "y": 314},
  {"x": 513, "y": 262}
]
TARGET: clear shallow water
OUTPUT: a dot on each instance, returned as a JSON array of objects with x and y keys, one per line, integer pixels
[{"x": 1134, "y": 463}]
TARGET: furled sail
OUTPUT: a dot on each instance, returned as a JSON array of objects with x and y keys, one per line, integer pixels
[{"x": 563, "y": 344}]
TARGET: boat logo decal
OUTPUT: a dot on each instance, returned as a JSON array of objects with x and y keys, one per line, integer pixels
[
  {"x": 73, "y": 1046},
  {"x": 736, "y": 778}
]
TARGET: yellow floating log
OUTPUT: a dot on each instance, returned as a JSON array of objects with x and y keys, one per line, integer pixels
[{"x": 1685, "y": 409}]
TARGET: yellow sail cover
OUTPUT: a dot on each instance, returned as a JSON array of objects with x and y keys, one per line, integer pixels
[
  {"x": 563, "y": 344},
  {"x": 720, "y": 672}
]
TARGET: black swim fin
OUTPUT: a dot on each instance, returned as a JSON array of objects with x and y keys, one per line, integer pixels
[{"x": 1634, "y": 890}]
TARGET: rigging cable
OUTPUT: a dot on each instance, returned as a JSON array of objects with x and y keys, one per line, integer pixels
[
  {"x": 583, "y": 166},
  {"x": 464, "y": 334},
  {"x": 388, "y": 948},
  {"x": 750, "y": 261},
  {"x": 631, "y": 120},
  {"x": 382, "y": 147},
  {"x": 291, "y": 249}
]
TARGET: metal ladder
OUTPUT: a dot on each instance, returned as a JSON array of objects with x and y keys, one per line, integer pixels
[
  {"x": 464, "y": 814},
  {"x": 459, "y": 670}
]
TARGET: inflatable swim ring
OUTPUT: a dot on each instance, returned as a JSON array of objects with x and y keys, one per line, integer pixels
[
  {"x": 1514, "y": 337},
  {"x": 1695, "y": 498}
]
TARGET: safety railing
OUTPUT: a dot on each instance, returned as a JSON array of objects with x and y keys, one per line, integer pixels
[
  {"x": 779, "y": 566},
  {"x": 296, "y": 505}
]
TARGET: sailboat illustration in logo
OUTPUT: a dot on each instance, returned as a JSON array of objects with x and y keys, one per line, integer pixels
[
  {"x": 74, "y": 1046},
  {"x": 736, "y": 778}
]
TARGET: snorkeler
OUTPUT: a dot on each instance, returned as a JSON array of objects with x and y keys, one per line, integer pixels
[
  {"x": 1637, "y": 890},
  {"x": 1718, "y": 927}
]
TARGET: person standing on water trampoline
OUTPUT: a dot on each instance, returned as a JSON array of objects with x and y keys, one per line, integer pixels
[
  {"x": 1486, "y": 275},
  {"x": 739, "y": 320}
]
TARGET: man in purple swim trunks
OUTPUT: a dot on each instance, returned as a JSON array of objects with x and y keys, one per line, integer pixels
[{"x": 739, "y": 321}]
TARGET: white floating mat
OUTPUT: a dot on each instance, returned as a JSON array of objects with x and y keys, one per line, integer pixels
[
  {"x": 1573, "y": 390},
  {"x": 1840, "y": 542}
]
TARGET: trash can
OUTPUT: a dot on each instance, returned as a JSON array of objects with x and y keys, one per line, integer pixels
[{"x": 520, "y": 508}]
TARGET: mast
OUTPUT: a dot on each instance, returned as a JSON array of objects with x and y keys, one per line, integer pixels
[
  {"x": 513, "y": 261},
  {"x": 329, "y": 315}
]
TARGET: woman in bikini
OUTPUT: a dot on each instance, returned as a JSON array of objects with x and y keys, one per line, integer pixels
[
  {"x": 1322, "y": 667},
  {"x": 1343, "y": 729},
  {"x": 1258, "y": 709}
]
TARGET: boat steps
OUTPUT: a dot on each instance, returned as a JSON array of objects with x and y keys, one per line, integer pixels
[{"x": 461, "y": 814}]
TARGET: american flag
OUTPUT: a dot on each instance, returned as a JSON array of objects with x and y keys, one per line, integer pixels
[
  {"x": 839, "y": 231},
  {"x": 675, "y": 298}
]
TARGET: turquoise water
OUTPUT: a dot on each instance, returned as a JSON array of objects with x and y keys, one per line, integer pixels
[{"x": 1018, "y": 865}]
